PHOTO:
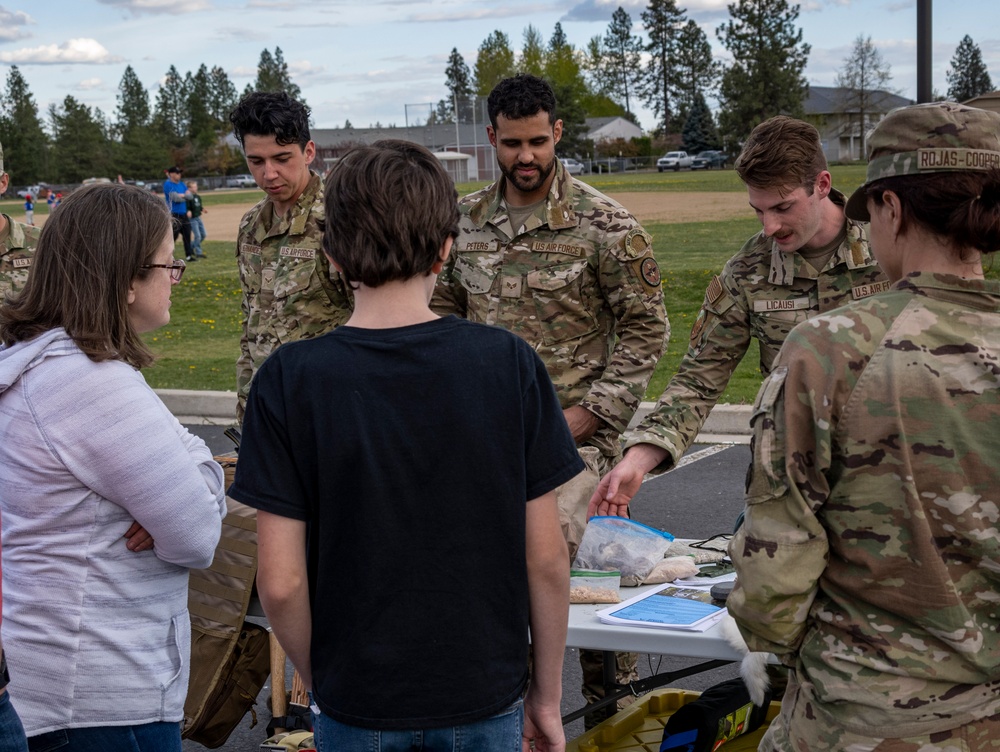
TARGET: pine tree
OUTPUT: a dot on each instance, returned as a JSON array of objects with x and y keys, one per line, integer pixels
[
  {"x": 458, "y": 80},
  {"x": 699, "y": 132},
  {"x": 862, "y": 83},
  {"x": 21, "y": 133},
  {"x": 222, "y": 98},
  {"x": 273, "y": 75},
  {"x": 967, "y": 77},
  {"x": 765, "y": 78},
  {"x": 662, "y": 21},
  {"x": 623, "y": 52},
  {"x": 696, "y": 72},
  {"x": 494, "y": 62},
  {"x": 139, "y": 151},
  {"x": 80, "y": 142},
  {"x": 170, "y": 111}
]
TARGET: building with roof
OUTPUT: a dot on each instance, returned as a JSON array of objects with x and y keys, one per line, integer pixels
[
  {"x": 989, "y": 101},
  {"x": 840, "y": 124}
]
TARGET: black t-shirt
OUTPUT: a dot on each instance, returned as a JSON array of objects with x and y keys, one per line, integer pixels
[{"x": 411, "y": 453}]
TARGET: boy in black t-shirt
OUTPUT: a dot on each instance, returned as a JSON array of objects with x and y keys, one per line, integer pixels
[{"x": 403, "y": 466}]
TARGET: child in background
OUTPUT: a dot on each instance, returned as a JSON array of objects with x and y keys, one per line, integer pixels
[
  {"x": 195, "y": 210},
  {"x": 29, "y": 210}
]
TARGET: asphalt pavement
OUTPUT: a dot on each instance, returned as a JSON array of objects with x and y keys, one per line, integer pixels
[{"x": 700, "y": 498}]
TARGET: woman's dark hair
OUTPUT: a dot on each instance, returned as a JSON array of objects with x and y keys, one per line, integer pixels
[
  {"x": 90, "y": 251},
  {"x": 389, "y": 209},
  {"x": 961, "y": 206}
]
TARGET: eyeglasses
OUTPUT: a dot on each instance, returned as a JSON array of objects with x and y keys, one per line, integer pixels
[{"x": 176, "y": 269}]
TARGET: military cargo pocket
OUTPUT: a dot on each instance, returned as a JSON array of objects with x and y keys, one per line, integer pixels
[
  {"x": 561, "y": 303},
  {"x": 766, "y": 477},
  {"x": 249, "y": 264},
  {"x": 293, "y": 275}
]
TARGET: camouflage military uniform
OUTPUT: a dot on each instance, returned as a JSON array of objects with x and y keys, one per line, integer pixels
[
  {"x": 869, "y": 559},
  {"x": 762, "y": 293},
  {"x": 290, "y": 291},
  {"x": 16, "y": 252},
  {"x": 578, "y": 282}
]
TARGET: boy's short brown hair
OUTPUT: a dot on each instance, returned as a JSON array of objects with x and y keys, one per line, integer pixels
[
  {"x": 389, "y": 209},
  {"x": 781, "y": 152}
]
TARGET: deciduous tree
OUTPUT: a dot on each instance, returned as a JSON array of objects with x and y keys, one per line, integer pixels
[
  {"x": 765, "y": 77},
  {"x": 862, "y": 83},
  {"x": 967, "y": 77},
  {"x": 494, "y": 62},
  {"x": 532, "y": 52}
]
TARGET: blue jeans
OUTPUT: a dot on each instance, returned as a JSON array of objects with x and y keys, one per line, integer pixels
[
  {"x": 501, "y": 733},
  {"x": 11, "y": 731},
  {"x": 149, "y": 737},
  {"x": 198, "y": 234}
]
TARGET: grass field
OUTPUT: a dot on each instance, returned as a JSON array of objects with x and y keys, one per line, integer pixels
[{"x": 198, "y": 349}]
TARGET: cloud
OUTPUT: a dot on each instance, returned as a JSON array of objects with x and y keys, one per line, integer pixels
[
  {"x": 11, "y": 23},
  {"x": 75, "y": 51},
  {"x": 90, "y": 83},
  {"x": 155, "y": 7},
  {"x": 503, "y": 10}
]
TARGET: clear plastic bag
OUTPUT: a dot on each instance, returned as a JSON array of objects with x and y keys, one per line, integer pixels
[
  {"x": 632, "y": 548},
  {"x": 588, "y": 586}
]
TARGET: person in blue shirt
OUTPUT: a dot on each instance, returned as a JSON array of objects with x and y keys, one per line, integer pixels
[{"x": 176, "y": 195}]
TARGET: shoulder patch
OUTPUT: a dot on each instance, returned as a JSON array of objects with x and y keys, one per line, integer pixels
[
  {"x": 637, "y": 242},
  {"x": 648, "y": 272}
]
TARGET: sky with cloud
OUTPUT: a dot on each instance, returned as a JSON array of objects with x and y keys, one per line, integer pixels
[{"x": 384, "y": 60}]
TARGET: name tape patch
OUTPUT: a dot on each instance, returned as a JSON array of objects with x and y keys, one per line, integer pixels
[
  {"x": 957, "y": 159},
  {"x": 795, "y": 304}
]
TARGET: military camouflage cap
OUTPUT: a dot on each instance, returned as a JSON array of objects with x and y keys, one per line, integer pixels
[{"x": 924, "y": 138}]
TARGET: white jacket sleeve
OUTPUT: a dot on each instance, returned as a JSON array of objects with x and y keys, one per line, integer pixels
[{"x": 117, "y": 437}]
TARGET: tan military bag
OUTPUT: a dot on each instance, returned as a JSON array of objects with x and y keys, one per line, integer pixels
[{"x": 230, "y": 657}]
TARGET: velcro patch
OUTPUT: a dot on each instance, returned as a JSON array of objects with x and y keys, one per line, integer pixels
[
  {"x": 715, "y": 290},
  {"x": 248, "y": 248},
  {"x": 510, "y": 287},
  {"x": 649, "y": 273},
  {"x": 637, "y": 242},
  {"x": 21, "y": 263},
  {"x": 539, "y": 246}
]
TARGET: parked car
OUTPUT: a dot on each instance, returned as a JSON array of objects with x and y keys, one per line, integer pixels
[
  {"x": 241, "y": 181},
  {"x": 673, "y": 160},
  {"x": 706, "y": 160},
  {"x": 573, "y": 166},
  {"x": 91, "y": 181}
]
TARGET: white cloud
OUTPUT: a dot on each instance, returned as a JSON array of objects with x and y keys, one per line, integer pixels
[
  {"x": 11, "y": 23},
  {"x": 90, "y": 83},
  {"x": 75, "y": 51},
  {"x": 139, "y": 7}
]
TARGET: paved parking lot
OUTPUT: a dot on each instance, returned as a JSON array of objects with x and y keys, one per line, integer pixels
[{"x": 699, "y": 499}]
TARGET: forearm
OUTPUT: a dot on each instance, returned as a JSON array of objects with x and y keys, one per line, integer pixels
[
  {"x": 548, "y": 592},
  {"x": 290, "y": 616}
]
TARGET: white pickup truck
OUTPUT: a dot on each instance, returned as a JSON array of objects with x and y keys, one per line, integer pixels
[{"x": 673, "y": 160}]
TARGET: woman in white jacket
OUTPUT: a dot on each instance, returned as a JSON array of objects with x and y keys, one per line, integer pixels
[{"x": 107, "y": 500}]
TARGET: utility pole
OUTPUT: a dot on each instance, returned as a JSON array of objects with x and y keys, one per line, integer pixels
[{"x": 924, "y": 51}]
